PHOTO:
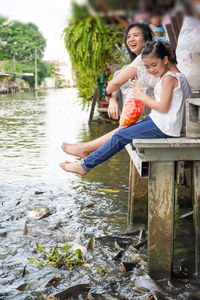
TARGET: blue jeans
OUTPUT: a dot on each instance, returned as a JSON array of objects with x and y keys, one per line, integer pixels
[{"x": 145, "y": 129}]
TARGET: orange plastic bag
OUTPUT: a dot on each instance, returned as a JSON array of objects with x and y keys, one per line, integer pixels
[{"x": 133, "y": 108}]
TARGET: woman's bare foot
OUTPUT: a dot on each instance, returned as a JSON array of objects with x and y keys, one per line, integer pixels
[
  {"x": 75, "y": 149},
  {"x": 73, "y": 167}
]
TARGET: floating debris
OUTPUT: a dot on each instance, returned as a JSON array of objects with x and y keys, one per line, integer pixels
[
  {"x": 25, "y": 228},
  {"x": 150, "y": 297},
  {"x": 187, "y": 215},
  {"x": 109, "y": 191}
]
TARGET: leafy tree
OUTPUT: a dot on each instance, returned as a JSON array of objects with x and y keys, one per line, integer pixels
[
  {"x": 21, "y": 40},
  {"x": 3, "y": 19},
  {"x": 8, "y": 66},
  {"x": 91, "y": 45},
  {"x": 44, "y": 70}
]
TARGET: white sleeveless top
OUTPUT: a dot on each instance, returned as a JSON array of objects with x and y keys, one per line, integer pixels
[{"x": 170, "y": 123}]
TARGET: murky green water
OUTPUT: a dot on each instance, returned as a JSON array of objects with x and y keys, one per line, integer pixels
[{"x": 32, "y": 129}]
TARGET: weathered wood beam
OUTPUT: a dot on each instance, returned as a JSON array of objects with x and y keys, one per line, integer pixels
[
  {"x": 137, "y": 196},
  {"x": 105, "y": 5},
  {"x": 160, "y": 218},
  {"x": 128, "y": 6},
  {"x": 196, "y": 186},
  {"x": 105, "y": 12}
]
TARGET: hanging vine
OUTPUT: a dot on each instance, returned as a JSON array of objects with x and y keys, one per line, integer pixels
[{"x": 91, "y": 45}]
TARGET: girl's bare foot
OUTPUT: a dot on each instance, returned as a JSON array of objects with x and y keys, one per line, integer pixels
[
  {"x": 73, "y": 167},
  {"x": 75, "y": 149}
]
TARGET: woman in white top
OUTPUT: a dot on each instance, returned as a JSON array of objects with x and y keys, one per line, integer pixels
[{"x": 165, "y": 119}]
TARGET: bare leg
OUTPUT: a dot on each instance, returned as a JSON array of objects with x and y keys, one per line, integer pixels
[
  {"x": 82, "y": 150},
  {"x": 73, "y": 167}
]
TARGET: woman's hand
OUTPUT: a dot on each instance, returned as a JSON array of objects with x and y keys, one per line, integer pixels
[{"x": 113, "y": 108}]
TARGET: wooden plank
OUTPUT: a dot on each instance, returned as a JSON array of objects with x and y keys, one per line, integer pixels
[
  {"x": 102, "y": 109},
  {"x": 141, "y": 156},
  {"x": 195, "y": 101},
  {"x": 131, "y": 193},
  {"x": 135, "y": 158},
  {"x": 107, "y": 7},
  {"x": 193, "y": 118},
  {"x": 171, "y": 35},
  {"x": 170, "y": 154},
  {"x": 160, "y": 219},
  {"x": 137, "y": 197},
  {"x": 181, "y": 142},
  {"x": 196, "y": 187},
  {"x": 179, "y": 19},
  {"x": 175, "y": 28}
]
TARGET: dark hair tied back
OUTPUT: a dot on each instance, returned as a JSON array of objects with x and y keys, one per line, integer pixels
[{"x": 155, "y": 49}]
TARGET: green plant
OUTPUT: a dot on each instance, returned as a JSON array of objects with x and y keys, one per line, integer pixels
[
  {"x": 58, "y": 256},
  {"x": 101, "y": 271},
  {"x": 177, "y": 219},
  {"x": 91, "y": 45}
]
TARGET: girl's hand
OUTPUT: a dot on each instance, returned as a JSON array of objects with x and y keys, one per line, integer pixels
[{"x": 140, "y": 94}]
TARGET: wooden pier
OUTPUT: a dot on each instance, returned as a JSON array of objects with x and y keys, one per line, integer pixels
[{"x": 156, "y": 161}]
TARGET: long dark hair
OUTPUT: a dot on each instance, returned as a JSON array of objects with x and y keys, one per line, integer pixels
[{"x": 146, "y": 32}]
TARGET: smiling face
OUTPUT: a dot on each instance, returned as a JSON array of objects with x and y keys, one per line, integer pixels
[
  {"x": 135, "y": 40},
  {"x": 155, "y": 66}
]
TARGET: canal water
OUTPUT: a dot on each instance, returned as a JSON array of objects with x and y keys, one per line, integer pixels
[{"x": 40, "y": 204}]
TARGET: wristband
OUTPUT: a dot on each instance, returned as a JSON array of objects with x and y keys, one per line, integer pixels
[{"x": 106, "y": 94}]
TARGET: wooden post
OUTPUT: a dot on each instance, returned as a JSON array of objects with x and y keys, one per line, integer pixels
[
  {"x": 196, "y": 178},
  {"x": 94, "y": 100},
  {"x": 160, "y": 218},
  {"x": 130, "y": 193},
  {"x": 14, "y": 63},
  {"x": 36, "y": 85},
  {"x": 137, "y": 196}
]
